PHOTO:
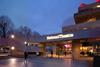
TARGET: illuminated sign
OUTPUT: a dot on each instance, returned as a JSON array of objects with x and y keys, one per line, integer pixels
[{"x": 60, "y": 36}]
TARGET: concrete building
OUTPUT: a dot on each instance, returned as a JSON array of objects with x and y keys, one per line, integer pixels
[{"x": 83, "y": 38}]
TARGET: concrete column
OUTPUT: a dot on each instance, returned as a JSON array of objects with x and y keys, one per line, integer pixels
[
  {"x": 43, "y": 48},
  {"x": 76, "y": 49},
  {"x": 54, "y": 50}
]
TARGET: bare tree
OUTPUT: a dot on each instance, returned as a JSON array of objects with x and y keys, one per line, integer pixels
[
  {"x": 36, "y": 34},
  {"x": 25, "y": 32},
  {"x": 6, "y": 26}
]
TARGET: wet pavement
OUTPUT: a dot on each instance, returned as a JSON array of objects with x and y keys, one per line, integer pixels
[{"x": 42, "y": 62}]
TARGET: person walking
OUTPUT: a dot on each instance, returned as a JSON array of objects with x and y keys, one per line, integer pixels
[
  {"x": 51, "y": 53},
  {"x": 65, "y": 53},
  {"x": 25, "y": 56}
]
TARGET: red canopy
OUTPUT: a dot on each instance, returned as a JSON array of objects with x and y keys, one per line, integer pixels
[
  {"x": 83, "y": 5},
  {"x": 97, "y": 0}
]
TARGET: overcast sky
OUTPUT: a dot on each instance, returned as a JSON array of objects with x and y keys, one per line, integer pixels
[{"x": 43, "y": 16}]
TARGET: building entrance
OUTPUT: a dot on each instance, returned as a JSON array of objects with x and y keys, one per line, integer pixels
[
  {"x": 58, "y": 49},
  {"x": 90, "y": 48}
]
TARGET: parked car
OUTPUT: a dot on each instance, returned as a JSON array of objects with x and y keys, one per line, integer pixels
[{"x": 2, "y": 54}]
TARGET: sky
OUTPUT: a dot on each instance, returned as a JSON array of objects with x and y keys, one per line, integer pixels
[{"x": 43, "y": 16}]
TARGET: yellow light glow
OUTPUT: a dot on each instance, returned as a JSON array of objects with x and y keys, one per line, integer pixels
[
  {"x": 80, "y": 48},
  {"x": 91, "y": 51},
  {"x": 84, "y": 48},
  {"x": 98, "y": 6}
]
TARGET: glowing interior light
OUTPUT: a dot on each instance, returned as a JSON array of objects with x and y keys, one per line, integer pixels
[
  {"x": 67, "y": 46},
  {"x": 98, "y": 6},
  {"x": 91, "y": 50},
  {"x": 84, "y": 28}
]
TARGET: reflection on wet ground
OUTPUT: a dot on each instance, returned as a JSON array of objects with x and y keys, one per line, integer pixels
[{"x": 42, "y": 62}]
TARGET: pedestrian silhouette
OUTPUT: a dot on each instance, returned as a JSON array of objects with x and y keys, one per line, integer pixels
[
  {"x": 25, "y": 55},
  {"x": 65, "y": 53},
  {"x": 25, "y": 58},
  {"x": 51, "y": 53}
]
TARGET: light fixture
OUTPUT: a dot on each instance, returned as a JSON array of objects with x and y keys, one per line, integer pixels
[
  {"x": 67, "y": 45},
  {"x": 12, "y": 36},
  {"x": 12, "y": 48},
  {"x": 98, "y": 6},
  {"x": 69, "y": 41},
  {"x": 25, "y": 42}
]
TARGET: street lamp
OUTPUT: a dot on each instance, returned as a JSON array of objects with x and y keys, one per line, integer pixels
[
  {"x": 12, "y": 36},
  {"x": 12, "y": 48},
  {"x": 25, "y": 42},
  {"x": 25, "y": 53},
  {"x": 26, "y": 45}
]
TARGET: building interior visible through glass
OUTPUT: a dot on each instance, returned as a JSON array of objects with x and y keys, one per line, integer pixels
[{"x": 90, "y": 49}]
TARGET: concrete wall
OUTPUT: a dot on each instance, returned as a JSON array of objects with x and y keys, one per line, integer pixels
[{"x": 76, "y": 49}]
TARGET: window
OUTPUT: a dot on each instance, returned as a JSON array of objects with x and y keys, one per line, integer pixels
[{"x": 91, "y": 20}]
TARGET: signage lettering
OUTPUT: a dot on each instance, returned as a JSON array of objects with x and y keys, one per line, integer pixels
[{"x": 60, "y": 36}]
